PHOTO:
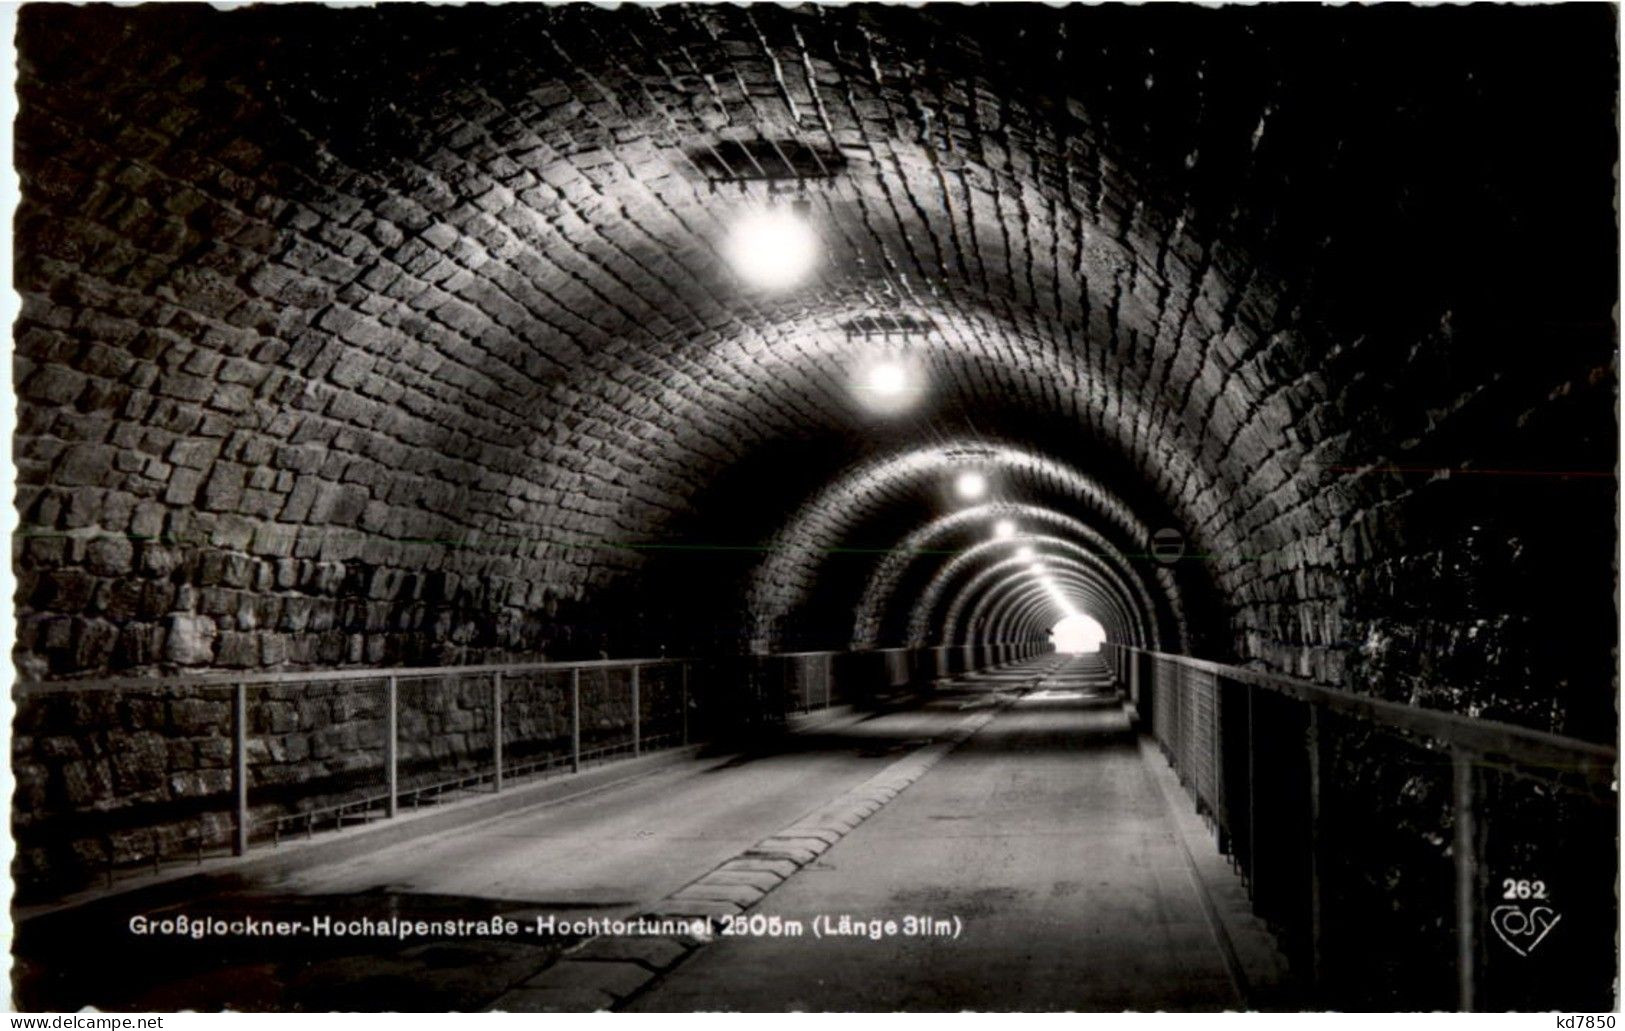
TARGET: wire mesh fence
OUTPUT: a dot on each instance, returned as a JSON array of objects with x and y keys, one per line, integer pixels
[{"x": 1404, "y": 857}]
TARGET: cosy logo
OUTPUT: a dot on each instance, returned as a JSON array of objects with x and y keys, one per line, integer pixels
[{"x": 1523, "y": 928}]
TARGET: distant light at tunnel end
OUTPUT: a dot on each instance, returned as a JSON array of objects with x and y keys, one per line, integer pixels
[
  {"x": 772, "y": 248},
  {"x": 970, "y": 485},
  {"x": 1077, "y": 633}
]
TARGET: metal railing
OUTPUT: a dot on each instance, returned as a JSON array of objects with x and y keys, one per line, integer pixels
[
  {"x": 299, "y": 751},
  {"x": 148, "y": 771},
  {"x": 1355, "y": 820}
]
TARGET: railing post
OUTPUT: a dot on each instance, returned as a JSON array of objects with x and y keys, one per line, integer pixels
[
  {"x": 496, "y": 730},
  {"x": 239, "y": 768},
  {"x": 575, "y": 720},
  {"x": 392, "y": 746},
  {"x": 1161, "y": 704},
  {"x": 1464, "y": 782},
  {"x": 1221, "y": 790},
  {"x": 684, "y": 667},
  {"x": 1316, "y": 855},
  {"x": 1252, "y": 796},
  {"x": 637, "y": 716}
]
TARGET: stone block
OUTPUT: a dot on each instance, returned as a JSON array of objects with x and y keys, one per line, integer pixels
[
  {"x": 554, "y": 1000},
  {"x": 183, "y": 487},
  {"x": 86, "y": 781},
  {"x": 189, "y": 640},
  {"x": 110, "y": 555},
  {"x": 85, "y": 465},
  {"x": 192, "y": 717},
  {"x": 93, "y": 643},
  {"x": 653, "y": 953},
  {"x": 706, "y": 890},
  {"x": 237, "y": 649},
  {"x": 138, "y": 761},
  {"x": 223, "y": 491}
]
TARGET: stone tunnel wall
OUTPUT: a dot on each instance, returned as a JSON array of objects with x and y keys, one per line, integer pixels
[
  {"x": 292, "y": 394},
  {"x": 297, "y": 392},
  {"x": 326, "y": 362},
  {"x": 230, "y": 453}
]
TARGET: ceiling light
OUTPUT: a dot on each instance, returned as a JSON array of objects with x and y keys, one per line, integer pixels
[
  {"x": 970, "y": 485},
  {"x": 888, "y": 379},
  {"x": 772, "y": 248},
  {"x": 887, "y": 385},
  {"x": 1025, "y": 552},
  {"x": 1004, "y": 529}
]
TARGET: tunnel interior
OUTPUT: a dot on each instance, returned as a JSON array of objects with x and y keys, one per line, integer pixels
[
  {"x": 329, "y": 357},
  {"x": 350, "y": 340}
]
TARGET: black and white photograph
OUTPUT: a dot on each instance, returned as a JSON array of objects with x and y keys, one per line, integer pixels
[{"x": 813, "y": 507}]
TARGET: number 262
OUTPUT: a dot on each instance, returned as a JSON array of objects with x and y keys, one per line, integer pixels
[{"x": 1518, "y": 888}]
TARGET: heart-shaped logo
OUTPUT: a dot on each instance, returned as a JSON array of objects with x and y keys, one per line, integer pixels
[{"x": 1523, "y": 929}]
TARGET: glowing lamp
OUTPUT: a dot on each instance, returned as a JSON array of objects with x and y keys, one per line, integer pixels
[
  {"x": 970, "y": 485},
  {"x": 888, "y": 379},
  {"x": 772, "y": 248}
]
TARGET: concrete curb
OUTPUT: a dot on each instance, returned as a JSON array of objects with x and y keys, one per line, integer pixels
[{"x": 1256, "y": 965}]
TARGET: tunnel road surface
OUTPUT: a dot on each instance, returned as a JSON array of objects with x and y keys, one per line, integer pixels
[
  {"x": 1014, "y": 806},
  {"x": 1042, "y": 836}
]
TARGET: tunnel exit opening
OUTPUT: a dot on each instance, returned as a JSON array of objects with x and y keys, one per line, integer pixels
[{"x": 1077, "y": 634}]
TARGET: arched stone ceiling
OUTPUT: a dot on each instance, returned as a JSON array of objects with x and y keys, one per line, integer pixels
[
  {"x": 786, "y": 575},
  {"x": 404, "y": 334},
  {"x": 1025, "y": 608},
  {"x": 936, "y": 610},
  {"x": 1072, "y": 581},
  {"x": 879, "y": 592},
  {"x": 1128, "y": 619}
]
